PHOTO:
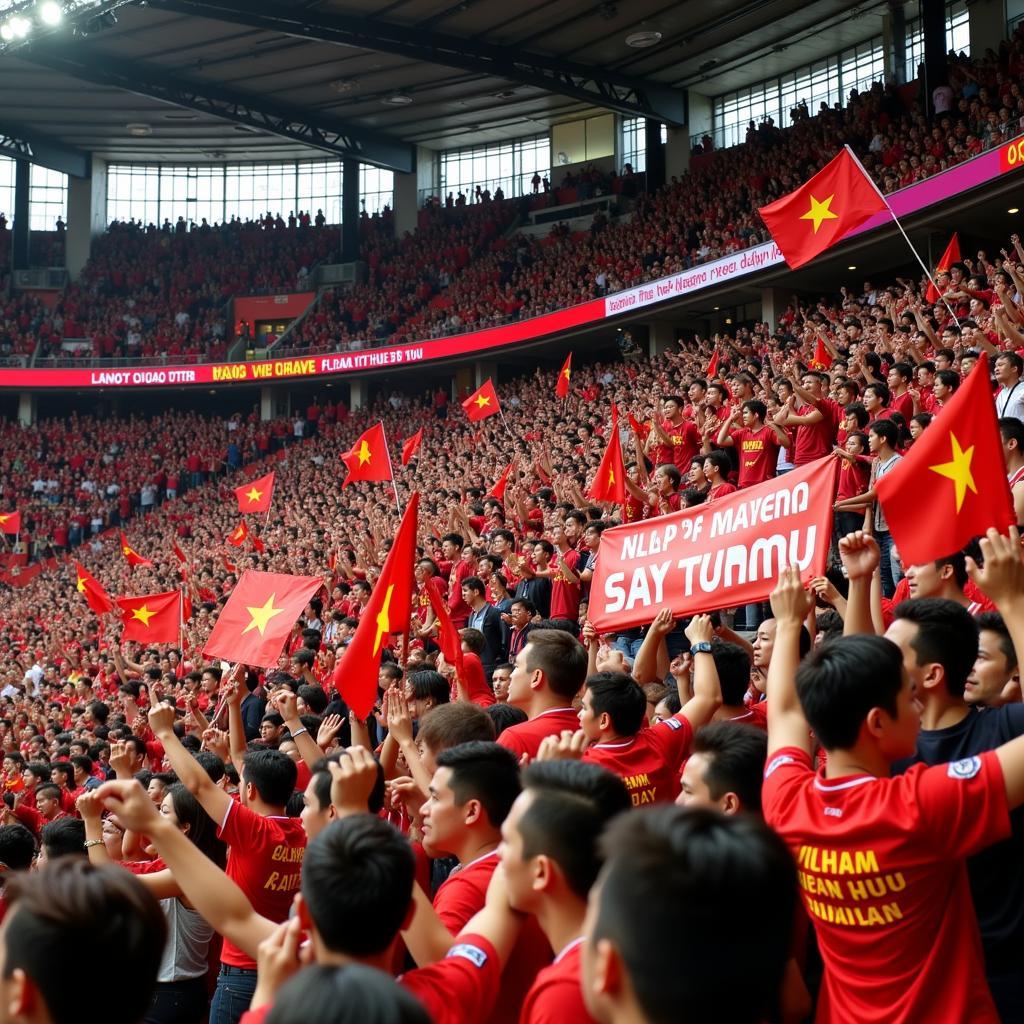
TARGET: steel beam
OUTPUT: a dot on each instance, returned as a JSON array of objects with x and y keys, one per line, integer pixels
[{"x": 23, "y": 144}]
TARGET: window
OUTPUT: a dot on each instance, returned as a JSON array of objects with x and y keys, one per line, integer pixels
[
  {"x": 633, "y": 143},
  {"x": 133, "y": 191},
  {"x": 958, "y": 36},
  {"x": 376, "y": 190},
  {"x": 509, "y": 166},
  {"x": 7, "y": 171},
  {"x": 48, "y": 198}
]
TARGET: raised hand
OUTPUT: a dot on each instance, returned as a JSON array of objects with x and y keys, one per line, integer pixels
[
  {"x": 860, "y": 554},
  {"x": 790, "y": 601}
]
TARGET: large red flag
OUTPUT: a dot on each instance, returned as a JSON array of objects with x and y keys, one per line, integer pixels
[
  {"x": 256, "y": 495},
  {"x": 609, "y": 483},
  {"x": 948, "y": 258},
  {"x": 387, "y": 612},
  {"x": 95, "y": 596},
  {"x": 712, "y": 369},
  {"x": 498, "y": 490},
  {"x": 152, "y": 618},
  {"x": 822, "y": 359},
  {"x": 564, "y": 377},
  {"x": 839, "y": 198},
  {"x": 132, "y": 557},
  {"x": 482, "y": 403},
  {"x": 10, "y": 522},
  {"x": 957, "y": 465},
  {"x": 368, "y": 458},
  {"x": 411, "y": 447},
  {"x": 258, "y": 616}
]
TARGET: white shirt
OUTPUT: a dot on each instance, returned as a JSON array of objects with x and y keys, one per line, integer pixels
[{"x": 1010, "y": 401}]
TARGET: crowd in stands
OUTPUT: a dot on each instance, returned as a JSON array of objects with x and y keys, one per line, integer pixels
[{"x": 511, "y": 768}]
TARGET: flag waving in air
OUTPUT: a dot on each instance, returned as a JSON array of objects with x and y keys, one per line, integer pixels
[
  {"x": 564, "y": 377},
  {"x": 10, "y": 522},
  {"x": 258, "y": 617},
  {"x": 712, "y": 371},
  {"x": 132, "y": 557},
  {"x": 236, "y": 538},
  {"x": 255, "y": 496},
  {"x": 368, "y": 459},
  {"x": 387, "y": 612},
  {"x": 95, "y": 596},
  {"x": 482, "y": 403},
  {"x": 411, "y": 447},
  {"x": 610, "y": 482},
  {"x": 839, "y": 198},
  {"x": 498, "y": 490},
  {"x": 152, "y": 618},
  {"x": 948, "y": 258},
  {"x": 958, "y": 464}
]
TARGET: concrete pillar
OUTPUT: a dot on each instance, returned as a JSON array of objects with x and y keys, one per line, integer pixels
[
  {"x": 349, "y": 210},
  {"x": 677, "y": 152},
  {"x": 661, "y": 337},
  {"x": 655, "y": 155},
  {"x": 87, "y": 216},
  {"x": 22, "y": 184},
  {"x": 987, "y": 25},
  {"x": 407, "y": 203},
  {"x": 933, "y": 25},
  {"x": 26, "y": 409},
  {"x": 700, "y": 113},
  {"x": 266, "y": 403},
  {"x": 773, "y": 304},
  {"x": 358, "y": 394},
  {"x": 482, "y": 369}
]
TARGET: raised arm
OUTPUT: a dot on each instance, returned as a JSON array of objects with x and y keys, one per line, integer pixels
[
  {"x": 707, "y": 691},
  {"x": 787, "y": 726},
  {"x": 651, "y": 662},
  {"x": 860, "y": 555},
  {"x": 287, "y": 705}
]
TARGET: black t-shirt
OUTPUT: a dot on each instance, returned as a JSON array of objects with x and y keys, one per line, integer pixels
[{"x": 996, "y": 874}]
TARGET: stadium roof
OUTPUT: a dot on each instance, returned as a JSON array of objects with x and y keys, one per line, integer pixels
[{"x": 208, "y": 80}]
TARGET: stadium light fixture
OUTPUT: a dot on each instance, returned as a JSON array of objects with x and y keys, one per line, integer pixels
[
  {"x": 50, "y": 12},
  {"x": 852, "y": 266},
  {"x": 1013, "y": 209}
]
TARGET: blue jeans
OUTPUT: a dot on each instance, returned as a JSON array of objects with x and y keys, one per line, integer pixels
[
  {"x": 233, "y": 994},
  {"x": 892, "y": 571}
]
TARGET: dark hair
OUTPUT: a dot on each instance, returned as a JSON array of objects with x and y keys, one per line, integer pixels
[
  {"x": 428, "y": 684},
  {"x": 905, "y": 370},
  {"x": 946, "y": 634},
  {"x": 886, "y": 430},
  {"x": 1012, "y": 429},
  {"x": 71, "y": 906},
  {"x": 504, "y": 716},
  {"x": 64, "y": 767},
  {"x": 100, "y": 711},
  {"x": 48, "y": 789},
  {"x": 561, "y": 657},
  {"x": 880, "y": 390},
  {"x": 63, "y": 838},
  {"x": 859, "y": 413},
  {"x": 272, "y": 773},
  {"x": 202, "y": 829},
  {"x": 671, "y": 470},
  {"x": 735, "y": 755},
  {"x": 452, "y": 724},
  {"x": 1013, "y": 359},
  {"x": 483, "y": 771},
  {"x": 620, "y": 696},
  {"x": 949, "y": 377},
  {"x": 695, "y": 872},
  {"x": 528, "y": 606},
  {"x": 838, "y": 683},
  {"x": 352, "y": 994},
  {"x": 720, "y": 460},
  {"x": 571, "y": 803},
  {"x": 757, "y": 407},
  {"x": 322, "y": 780},
  {"x": 315, "y": 698},
  {"x": 17, "y": 848},
  {"x": 992, "y": 622},
  {"x": 474, "y": 583},
  {"x": 733, "y": 666},
  {"x": 211, "y": 764},
  {"x": 357, "y": 878},
  {"x": 473, "y": 639}
]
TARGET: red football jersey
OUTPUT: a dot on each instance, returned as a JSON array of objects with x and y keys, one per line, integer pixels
[
  {"x": 651, "y": 762},
  {"x": 556, "y": 997},
  {"x": 265, "y": 860},
  {"x": 527, "y": 737},
  {"x": 759, "y": 454},
  {"x": 881, "y": 869},
  {"x": 462, "y": 987}
]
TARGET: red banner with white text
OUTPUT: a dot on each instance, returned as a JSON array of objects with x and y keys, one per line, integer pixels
[{"x": 721, "y": 555}]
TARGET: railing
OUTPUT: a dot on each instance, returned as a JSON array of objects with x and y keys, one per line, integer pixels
[{"x": 40, "y": 277}]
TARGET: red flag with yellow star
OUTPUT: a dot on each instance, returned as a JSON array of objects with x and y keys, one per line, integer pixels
[
  {"x": 956, "y": 465},
  {"x": 132, "y": 557},
  {"x": 564, "y": 377},
  {"x": 482, "y": 403},
  {"x": 387, "y": 612},
  {"x": 839, "y": 198},
  {"x": 258, "y": 617},
  {"x": 95, "y": 596},
  {"x": 256, "y": 495},
  {"x": 152, "y": 618},
  {"x": 236, "y": 538},
  {"x": 10, "y": 522},
  {"x": 609, "y": 483},
  {"x": 368, "y": 458}
]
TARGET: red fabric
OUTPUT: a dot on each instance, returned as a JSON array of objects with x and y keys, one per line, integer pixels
[
  {"x": 609, "y": 483},
  {"x": 482, "y": 403},
  {"x": 759, "y": 454},
  {"x": 556, "y": 996},
  {"x": 368, "y": 458},
  {"x": 527, "y": 737},
  {"x": 256, "y": 495}
]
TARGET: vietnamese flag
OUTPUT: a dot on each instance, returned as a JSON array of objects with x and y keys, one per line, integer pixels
[
  {"x": 821, "y": 360},
  {"x": 368, "y": 458},
  {"x": 564, "y": 376},
  {"x": 609, "y": 484},
  {"x": 448, "y": 638},
  {"x": 411, "y": 447},
  {"x": 387, "y": 612},
  {"x": 948, "y": 258},
  {"x": 256, "y": 495},
  {"x": 131, "y": 555},
  {"x": 178, "y": 553},
  {"x": 957, "y": 466},
  {"x": 482, "y": 403},
  {"x": 152, "y": 618},
  {"x": 712, "y": 369},
  {"x": 10, "y": 522},
  {"x": 821, "y": 212},
  {"x": 498, "y": 490},
  {"x": 258, "y": 617},
  {"x": 95, "y": 596},
  {"x": 237, "y": 536},
  {"x": 228, "y": 565}
]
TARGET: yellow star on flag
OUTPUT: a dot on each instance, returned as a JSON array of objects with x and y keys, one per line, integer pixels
[
  {"x": 363, "y": 453},
  {"x": 3, "y": 519},
  {"x": 81, "y": 584},
  {"x": 482, "y": 400},
  {"x": 261, "y": 616},
  {"x": 127, "y": 551},
  {"x": 611, "y": 476},
  {"x": 383, "y": 619},
  {"x": 143, "y": 614},
  {"x": 958, "y": 469},
  {"x": 567, "y": 373},
  {"x": 254, "y": 495},
  {"x": 820, "y": 211},
  {"x": 239, "y": 533}
]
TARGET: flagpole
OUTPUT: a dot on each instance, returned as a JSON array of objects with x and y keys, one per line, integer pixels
[
  {"x": 501, "y": 413},
  {"x": 896, "y": 221},
  {"x": 391, "y": 470}
]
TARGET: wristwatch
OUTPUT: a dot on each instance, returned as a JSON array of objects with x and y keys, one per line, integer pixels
[{"x": 702, "y": 648}]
